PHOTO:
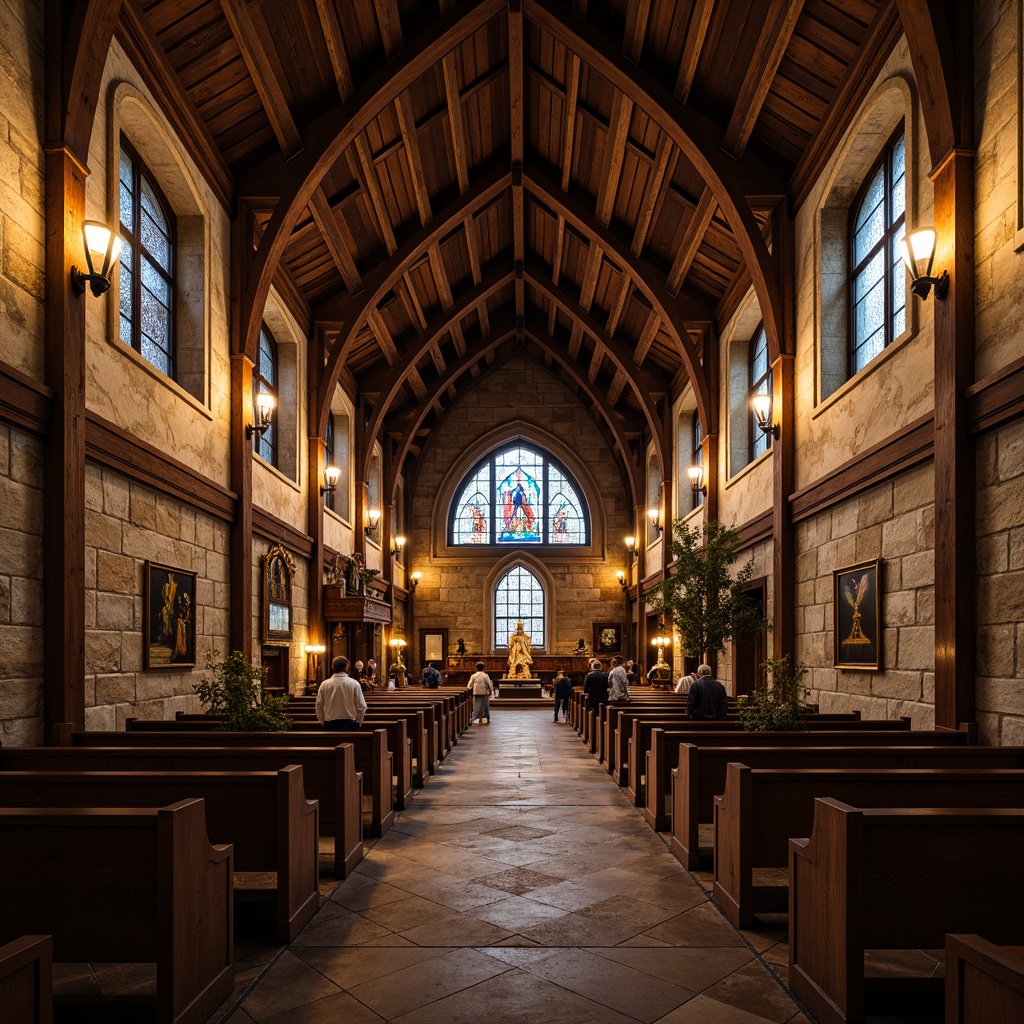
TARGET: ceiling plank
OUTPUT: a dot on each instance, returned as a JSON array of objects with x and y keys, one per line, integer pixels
[
  {"x": 696, "y": 31},
  {"x": 336, "y": 48},
  {"x": 636, "y": 29},
  {"x": 572, "y": 99},
  {"x": 390, "y": 23}
]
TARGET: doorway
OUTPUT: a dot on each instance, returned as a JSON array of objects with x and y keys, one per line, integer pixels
[
  {"x": 747, "y": 655},
  {"x": 275, "y": 661}
]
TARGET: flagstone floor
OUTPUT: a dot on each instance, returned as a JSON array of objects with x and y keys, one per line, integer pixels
[{"x": 519, "y": 887}]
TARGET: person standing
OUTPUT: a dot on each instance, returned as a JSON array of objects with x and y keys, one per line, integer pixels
[
  {"x": 618, "y": 683},
  {"x": 563, "y": 690},
  {"x": 339, "y": 701},
  {"x": 431, "y": 678},
  {"x": 632, "y": 674},
  {"x": 595, "y": 686},
  {"x": 707, "y": 698},
  {"x": 480, "y": 684}
]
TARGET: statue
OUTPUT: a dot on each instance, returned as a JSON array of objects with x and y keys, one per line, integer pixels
[
  {"x": 519, "y": 654},
  {"x": 660, "y": 673}
]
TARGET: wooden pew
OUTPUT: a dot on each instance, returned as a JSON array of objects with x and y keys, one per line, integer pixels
[
  {"x": 671, "y": 755},
  {"x": 264, "y": 816},
  {"x": 702, "y": 772},
  {"x": 329, "y": 773},
  {"x": 26, "y": 980},
  {"x": 984, "y": 982},
  {"x": 885, "y": 878},
  {"x": 762, "y": 808},
  {"x": 139, "y": 885}
]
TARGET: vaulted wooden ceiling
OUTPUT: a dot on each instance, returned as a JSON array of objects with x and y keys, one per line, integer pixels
[{"x": 435, "y": 187}]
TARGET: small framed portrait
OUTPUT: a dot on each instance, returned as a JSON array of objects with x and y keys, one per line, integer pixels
[
  {"x": 607, "y": 638},
  {"x": 169, "y": 600},
  {"x": 857, "y": 626},
  {"x": 278, "y": 570}
]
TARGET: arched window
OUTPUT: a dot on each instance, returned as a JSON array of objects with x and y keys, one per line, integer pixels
[
  {"x": 329, "y": 458},
  {"x": 519, "y": 495},
  {"x": 147, "y": 264},
  {"x": 877, "y": 278},
  {"x": 264, "y": 378},
  {"x": 519, "y": 597},
  {"x": 696, "y": 436},
  {"x": 760, "y": 377}
]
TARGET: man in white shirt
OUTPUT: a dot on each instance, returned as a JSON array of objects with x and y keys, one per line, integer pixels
[{"x": 339, "y": 701}]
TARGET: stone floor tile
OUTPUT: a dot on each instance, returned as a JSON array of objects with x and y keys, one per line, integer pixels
[
  {"x": 288, "y": 984},
  {"x": 350, "y": 967},
  {"x": 703, "y": 1009},
  {"x": 751, "y": 986},
  {"x": 514, "y": 913},
  {"x": 702, "y": 926},
  {"x": 331, "y": 1010},
  {"x": 464, "y": 930},
  {"x": 693, "y": 968}
]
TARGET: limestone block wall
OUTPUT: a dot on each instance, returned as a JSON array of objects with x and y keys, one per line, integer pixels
[
  {"x": 1000, "y": 553},
  {"x": 21, "y": 589},
  {"x": 127, "y": 523},
  {"x": 895, "y": 522}
]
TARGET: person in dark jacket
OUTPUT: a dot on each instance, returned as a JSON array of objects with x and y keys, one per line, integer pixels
[
  {"x": 563, "y": 690},
  {"x": 595, "y": 686},
  {"x": 707, "y": 698},
  {"x": 431, "y": 677}
]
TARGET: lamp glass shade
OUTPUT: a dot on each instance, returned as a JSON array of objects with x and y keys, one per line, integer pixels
[
  {"x": 399, "y": 543},
  {"x": 654, "y": 514},
  {"x": 631, "y": 543},
  {"x": 762, "y": 406},
  {"x": 315, "y": 648},
  {"x": 696, "y": 475},
  {"x": 620, "y": 574},
  {"x": 396, "y": 642},
  {"x": 331, "y": 476},
  {"x": 102, "y": 247},
  {"x": 373, "y": 517},
  {"x": 918, "y": 250},
  {"x": 416, "y": 577},
  {"x": 265, "y": 403}
]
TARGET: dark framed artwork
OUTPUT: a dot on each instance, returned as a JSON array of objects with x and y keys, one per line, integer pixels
[
  {"x": 278, "y": 570},
  {"x": 607, "y": 637},
  {"x": 857, "y": 625},
  {"x": 169, "y": 598}
]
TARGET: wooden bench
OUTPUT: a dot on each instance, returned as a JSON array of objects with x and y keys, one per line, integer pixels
[
  {"x": 762, "y": 808},
  {"x": 125, "y": 886},
  {"x": 264, "y": 816},
  {"x": 701, "y": 759},
  {"x": 984, "y": 982},
  {"x": 329, "y": 774},
  {"x": 26, "y": 980},
  {"x": 701, "y": 776},
  {"x": 885, "y": 878}
]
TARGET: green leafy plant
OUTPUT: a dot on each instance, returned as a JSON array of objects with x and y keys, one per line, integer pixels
[
  {"x": 235, "y": 693},
  {"x": 705, "y": 602},
  {"x": 779, "y": 705}
]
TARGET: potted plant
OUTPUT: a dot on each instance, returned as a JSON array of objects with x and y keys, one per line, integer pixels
[
  {"x": 705, "y": 602},
  {"x": 235, "y": 694},
  {"x": 780, "y": 705}
]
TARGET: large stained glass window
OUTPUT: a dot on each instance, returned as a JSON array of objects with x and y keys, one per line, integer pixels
[
  {"x": 519, "y": 597},
  {"x": 519, "y": 495}
]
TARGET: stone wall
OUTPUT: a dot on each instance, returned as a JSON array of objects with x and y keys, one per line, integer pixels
[
  {"x": 1000, "y": 528},
  {"x": 21, "y": 588},
  {"x": 127, "y": 523},
  {"x": 895, "y": 522}
]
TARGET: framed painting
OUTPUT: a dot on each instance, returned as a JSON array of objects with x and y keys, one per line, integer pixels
[
  {"x": 607, "y": 638},
  {"x": 278, "y": 570},
  {"x": 169, "y": 599},
  {"x": 857, "y": 625}
]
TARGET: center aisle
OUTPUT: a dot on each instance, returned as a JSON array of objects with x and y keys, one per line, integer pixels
[{"x": 520, "y": 887}]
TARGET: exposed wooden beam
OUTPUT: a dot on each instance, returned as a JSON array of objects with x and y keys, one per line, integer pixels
[
  {"x": 700, "y": 18},
  {"x": 691, "y": 241},
  {"x": 637, "y": 13},
  {"x": 617, "y": 386},
  {"x": 363, "y": 166},
  {"x": 411, "y": 303},
  {"x": 619, "y": 303},
  {"x": 336, "y": 48},
  {"x": 572, "y": 98},
  {"x": 390, "y": 24},
  {"x": 456, "y": 122},
  {"x": 517, "y": 129},
  {"x": 618, "y": 132},
  {"x": 647, "y": 336},
  {"x": 338, "y": 239},
  {"x": 664, "y": 165},
  {"x": 410, "y": 139}
]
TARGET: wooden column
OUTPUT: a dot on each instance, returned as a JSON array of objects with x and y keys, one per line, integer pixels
[
  {"x": 955, "y": 582},
  {"x": 241, "y": 573},
  {"x": 315, "y": 466},
  {"x": 784, "y": 548},
  {"x": 64, "y": 448},
  {"x": 710, "y": 359}
]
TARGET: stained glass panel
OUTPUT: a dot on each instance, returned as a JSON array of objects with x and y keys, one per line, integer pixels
[
  {"x": 564, "y": 511},
  {"x": 519, "y": 496},
  {"x": 519, "y": 597},
  {"x": 472, "y": 518}
]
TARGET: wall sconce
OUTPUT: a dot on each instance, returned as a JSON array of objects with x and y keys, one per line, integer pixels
[
  {"x": 372, "y": 519},
  {"x": 313, "y": 652},
  {"x": 264, "y": 403},
  {"x": 102, "y": 249},
  {"x": 620, "y": 575},
  {"x": 631, "y": 547},
  {"x": 396, "y": 547},
  {"x": 762, "y": 406},
  {"x": 331, "y": 476},
  {"x": 918, "y": 249},
  {"x": 696, "y": 475},
  {"x": 416, "y": 577},
  {"x": 397, "y": 645},
  {"x": 654, "y": 515}
]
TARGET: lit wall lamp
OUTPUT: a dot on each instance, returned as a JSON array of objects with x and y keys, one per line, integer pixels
[
  {"x": 631, "y": 547},
  {"x": 102, "y": 248},
  {"x": 264, "y": 403},
  {"x": 396, "y": 547},
  {"x": 313, "y": 652},
  {"x": 654, "y": 515},
  {"x": 621, "y": 577},
  {"x": 416, "y": 577},
  {"x": 372, "y": 519},
  {"x": 696, "y": 475},
  {"x": 331, "y": 476},
  {"x": 918, "y": 249},
  {"x": 661, "y": 642},
  {"x": 762, "y": 406}
]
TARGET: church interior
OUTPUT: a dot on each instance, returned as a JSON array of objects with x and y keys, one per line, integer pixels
[{"x": 417, "y": 333}]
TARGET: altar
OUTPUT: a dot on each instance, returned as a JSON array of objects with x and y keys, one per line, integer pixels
[{"x": 522, "y": 687}]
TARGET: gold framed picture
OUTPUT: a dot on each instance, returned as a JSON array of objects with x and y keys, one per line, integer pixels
[{"x": 856, "y": 616}]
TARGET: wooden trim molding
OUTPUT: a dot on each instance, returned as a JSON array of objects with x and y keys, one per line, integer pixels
[
  {"x": 757, "y": 529},
  {"x": 25, "y": 402},
  {"x": 108, "y": 445},
  {"x": 905, "y": 449},
  {"x": 997, "y": 399},
  {"x": 271, "y": 528}
]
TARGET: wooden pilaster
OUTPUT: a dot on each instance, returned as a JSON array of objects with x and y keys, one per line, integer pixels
[
  {"x": 241, "y": 573},
  {"x": 783, "y": 549}
]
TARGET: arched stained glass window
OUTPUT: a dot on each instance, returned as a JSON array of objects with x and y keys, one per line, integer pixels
[
  {"x": 519, "y": 597},
  {"x": 519, "y": 495}
]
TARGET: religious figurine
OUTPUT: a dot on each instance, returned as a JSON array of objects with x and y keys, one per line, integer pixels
[
  {"x": 519, "y": 654},
  {"x": 660, "y": 673},
  {"x": 460, "y": 647}
]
